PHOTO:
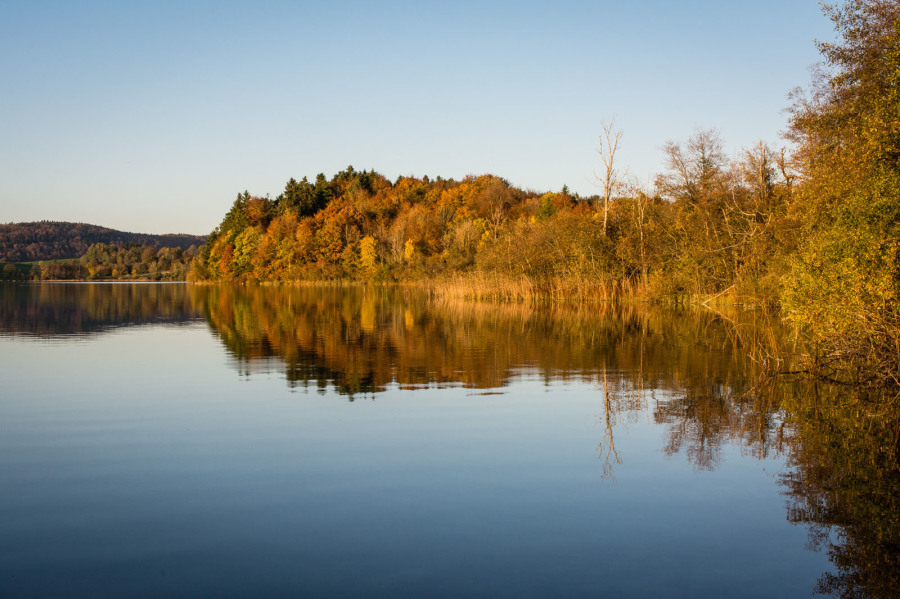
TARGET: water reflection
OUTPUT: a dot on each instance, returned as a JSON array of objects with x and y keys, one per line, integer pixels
[
  {"x": 370, "y": 338},
  {"x": 360, "y": 341},
  {"x": 696, "y": 374},
  {"x": 844, "y": 485},
  {"x": 73, "y": 309}
]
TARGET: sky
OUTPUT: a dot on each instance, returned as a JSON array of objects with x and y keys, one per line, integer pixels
[{"x": 152, "y": 116}]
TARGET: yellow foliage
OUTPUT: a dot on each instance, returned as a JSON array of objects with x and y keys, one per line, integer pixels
[
  {"x": 409, "y": 250},
  {"x": 368, "y": 253}
]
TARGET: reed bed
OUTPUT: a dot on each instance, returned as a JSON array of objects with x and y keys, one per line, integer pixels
[
  {"x": 496, "y": 287},
  {"x": 482, "y": 286}
]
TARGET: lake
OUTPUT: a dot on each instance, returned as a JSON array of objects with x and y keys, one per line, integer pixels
[{"x": 168, "y": 440}]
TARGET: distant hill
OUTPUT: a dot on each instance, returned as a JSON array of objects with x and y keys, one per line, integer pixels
[{"x": 49, "y": 240}]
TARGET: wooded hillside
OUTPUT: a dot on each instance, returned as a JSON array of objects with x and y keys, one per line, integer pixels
[
  {"x": 50, "y": 240},
  {"x": 813, "y": 228}
]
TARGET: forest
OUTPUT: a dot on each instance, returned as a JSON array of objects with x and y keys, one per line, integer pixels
[
  {"x": 103, "y": 261},
  {"x": 53, "y": 240},
  {"x": 811, "y": 230}
]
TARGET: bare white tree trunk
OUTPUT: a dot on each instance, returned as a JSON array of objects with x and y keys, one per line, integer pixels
[{"x": 610, "y": 178}]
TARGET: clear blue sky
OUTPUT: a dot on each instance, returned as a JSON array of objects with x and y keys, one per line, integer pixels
[{"x": 152, "y": 116}]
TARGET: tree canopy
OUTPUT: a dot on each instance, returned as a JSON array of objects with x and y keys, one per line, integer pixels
[{"x": 813, "y": 228}]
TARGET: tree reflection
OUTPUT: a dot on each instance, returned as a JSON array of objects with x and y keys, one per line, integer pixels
[
  {"x": 607, "y": 446},
  {"x": 62, "y": 309},
  {"x": 844, "y": 484},
  {"x": 699, "y": 375},
  {"x": 363, "y": 339}
]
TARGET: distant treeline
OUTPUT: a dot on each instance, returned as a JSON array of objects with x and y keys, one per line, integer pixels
[
  {"x": 47, "y": 240},
  {"x": 814, "y": 230},
  {"x": 102, "y": 261}
]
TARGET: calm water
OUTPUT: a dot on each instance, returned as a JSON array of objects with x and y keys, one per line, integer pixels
[{"x": 177, "y": 441}]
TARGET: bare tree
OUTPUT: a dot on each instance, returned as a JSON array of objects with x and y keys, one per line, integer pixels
[
  {"x": 611, "y": 179},
  {"x": 783, "y": 160},
  {"x": 641, "y": 198},
  {"x": 695, "y": 169},
  {"x": 494, "y": 203},
  {"x": 759, "y": 173}
]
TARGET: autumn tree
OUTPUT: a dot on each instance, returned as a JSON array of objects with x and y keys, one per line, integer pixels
[
  {"x": 695, "y": 184},
  {"x": 845, "y": 280}
]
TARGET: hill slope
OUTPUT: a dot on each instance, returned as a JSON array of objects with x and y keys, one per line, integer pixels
[{"x": 49, "y": 240}]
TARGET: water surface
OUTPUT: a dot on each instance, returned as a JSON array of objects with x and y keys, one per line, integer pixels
[{"x": 170, "y": 440}]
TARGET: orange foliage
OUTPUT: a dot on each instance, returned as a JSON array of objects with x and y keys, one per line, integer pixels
[{"x": 414, "y": 227}]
